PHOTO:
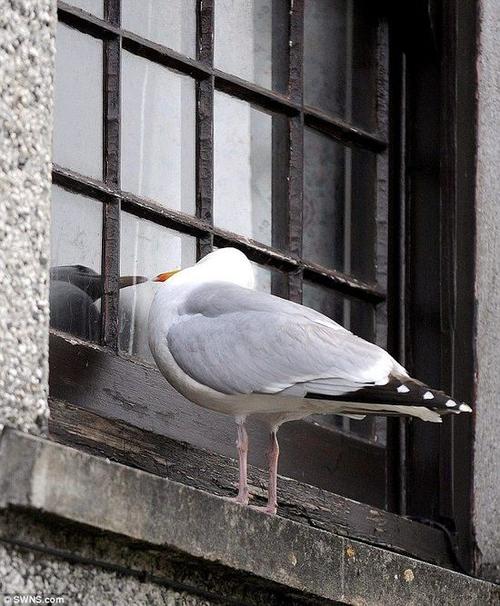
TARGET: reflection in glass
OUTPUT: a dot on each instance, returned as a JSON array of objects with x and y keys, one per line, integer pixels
[
  {"x": 158, "y": 133},
  {"x": 147, "y": 249},
  {"x": 78, "y": 128},
  {"x": 75, "y": 274},
  {"x": 340, "y": 59},
  {"x": 171, "y": 23},
  {"x": 251, "y": 41},
  {"x": 247, "y": 172},
  {"x": 338, "y": 223},
  {"x": 91, "y": 6}
]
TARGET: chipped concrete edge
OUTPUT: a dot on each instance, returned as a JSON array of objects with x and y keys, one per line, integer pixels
[{"x": 45, "y": 477}]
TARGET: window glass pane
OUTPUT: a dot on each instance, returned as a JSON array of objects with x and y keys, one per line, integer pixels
[
  {"x": 269, "y": 280},
  {"x": 251, "y": 41},
  {"x": 146, "y": 249},
  {"x": 78, "y": 127},
  {"x": 357, "y": 316},
  {"x": 247, "y": 172},
  {"x": 339, "y": 211},
  {"x": 91, "y": 6},
  {"x": 158, "y": 133},
  {"x": 75, "y": 274},
  {"x": 168, "y": 22},
  {"x": 340, "y": 59}
]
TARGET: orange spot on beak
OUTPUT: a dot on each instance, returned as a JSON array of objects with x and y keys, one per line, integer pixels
[{"x": 165, "y": 276}]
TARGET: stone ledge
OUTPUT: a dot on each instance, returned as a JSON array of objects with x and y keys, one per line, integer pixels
[{"x": 43, "y": 476}]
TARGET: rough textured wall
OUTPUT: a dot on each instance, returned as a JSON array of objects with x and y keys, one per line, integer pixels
[
  {"x": 26, "y": 73},
  {"x": 487, "y": 447},
  {"x": 37, "y": 574}
]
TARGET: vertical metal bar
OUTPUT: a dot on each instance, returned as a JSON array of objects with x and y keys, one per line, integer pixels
[
  {"x": 111, "y": 227},
  {"x": 376, "y": 427},
  {"x": 382, "y": 176},
  {"x": 382, "y": 218},
  {"x": 280, "y": 145},
  {"x": 396, "y": 428},
  {"x": 296, "y": 51},
  {"x": 296, "y": 142},
  {"x": 347, "y": 424},
  {"x": 205, "y": 124}
]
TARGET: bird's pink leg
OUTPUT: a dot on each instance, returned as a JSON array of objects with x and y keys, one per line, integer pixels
[
  {"x": 272, "y": 491},
  {"x": 242, "y": 445}
]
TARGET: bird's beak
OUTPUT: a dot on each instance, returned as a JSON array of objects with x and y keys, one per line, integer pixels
[
  {"x": 165, "y": 276},
  {"x": 131, "y": 280}
]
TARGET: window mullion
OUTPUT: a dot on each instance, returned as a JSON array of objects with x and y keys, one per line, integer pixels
[
  {"x": 296, "y": 143},
  {"x": 111, "y": 231},
  {"x": 205, "y": 124}
]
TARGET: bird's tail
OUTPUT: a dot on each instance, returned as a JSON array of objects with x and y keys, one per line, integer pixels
[{"x": 400, "y": 395}]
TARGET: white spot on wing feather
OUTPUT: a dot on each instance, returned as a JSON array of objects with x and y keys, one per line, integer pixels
[
  {"x": 428, "y": 396},
  {"x": 403, "y": 389}
]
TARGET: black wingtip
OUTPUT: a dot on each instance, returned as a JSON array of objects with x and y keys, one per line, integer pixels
[
  {"x": 402, "y": 390},
  {"x": 421, "y": 394}
]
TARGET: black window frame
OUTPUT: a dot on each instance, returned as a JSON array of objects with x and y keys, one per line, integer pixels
[{"x": 69, "y": 357}]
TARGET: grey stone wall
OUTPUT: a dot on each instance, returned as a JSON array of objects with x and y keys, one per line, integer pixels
[
  {"x": 487, "y": 444},
  {"x": 39, "y": 574},
  {"x": 26, "y": 74}
]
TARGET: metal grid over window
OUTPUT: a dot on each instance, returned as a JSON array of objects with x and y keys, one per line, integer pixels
[{"x": 305, "y": 139}]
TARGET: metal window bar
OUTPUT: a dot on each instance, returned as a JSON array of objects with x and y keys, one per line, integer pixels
[
  {"x": 111, "y": 208},
  {"x": 205, "y": 124},
  {"x": 209, "y": 79}
]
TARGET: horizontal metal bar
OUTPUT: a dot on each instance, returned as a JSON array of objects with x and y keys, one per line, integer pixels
[
  {"x": 81, "y": 184},
  {"x": 148, "y": 209},
  {"x": 86, "y": 22},
  {"x": 332, "y": 278},
  {"x": 342, "y": 131},
  {"x": 242, "y": 89},
  {"x": 343, "y": 283},
  {"x": 165, "y": 56},
  {"x": 255, "y": 94}
]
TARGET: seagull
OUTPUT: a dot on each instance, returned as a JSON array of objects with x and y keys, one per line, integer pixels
[
  {"x": 232, "y": 349},
  {"x": 74, "y": 289}
]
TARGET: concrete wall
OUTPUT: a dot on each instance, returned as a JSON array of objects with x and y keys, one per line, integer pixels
[
  {"x": 487, "y": 444},
  {"x": 39, "y": 574},
  {"x": 26, "y": 74}
]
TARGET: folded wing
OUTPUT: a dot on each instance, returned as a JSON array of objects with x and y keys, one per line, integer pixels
[{"x": 239, "y": 341}]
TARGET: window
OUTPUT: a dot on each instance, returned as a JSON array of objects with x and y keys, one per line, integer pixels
[{"x": 185, "y": 126}]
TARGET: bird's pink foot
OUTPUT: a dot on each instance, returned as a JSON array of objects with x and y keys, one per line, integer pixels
[
  {"x": 269, "y": 509},
  {"x": 240, "y": 499}
]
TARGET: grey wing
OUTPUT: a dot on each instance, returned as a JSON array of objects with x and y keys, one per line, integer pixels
[{"x": 238, "y": 341}]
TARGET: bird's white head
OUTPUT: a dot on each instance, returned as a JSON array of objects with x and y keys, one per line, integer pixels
[{"x": 222, "y": 265}]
